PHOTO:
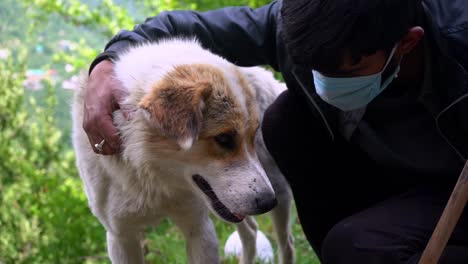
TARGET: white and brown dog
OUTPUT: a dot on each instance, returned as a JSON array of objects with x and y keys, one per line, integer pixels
[{"x": 190, "y": 145}]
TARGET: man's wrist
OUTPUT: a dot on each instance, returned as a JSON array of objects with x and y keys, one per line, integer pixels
[
  {"x": 104, "y": 66},
  {"x": 106, "y": 57}
]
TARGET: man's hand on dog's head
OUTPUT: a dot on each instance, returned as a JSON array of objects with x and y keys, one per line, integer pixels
[{"x": 102, "y": 98}]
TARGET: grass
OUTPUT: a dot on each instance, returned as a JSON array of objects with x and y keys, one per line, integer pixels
[{"x": 166, "y": 244}]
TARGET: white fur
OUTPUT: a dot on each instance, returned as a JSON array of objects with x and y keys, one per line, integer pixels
[{"x": 146, "y": 183}]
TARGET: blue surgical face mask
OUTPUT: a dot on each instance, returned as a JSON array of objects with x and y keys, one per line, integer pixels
[{"x": 355, "y": 92}]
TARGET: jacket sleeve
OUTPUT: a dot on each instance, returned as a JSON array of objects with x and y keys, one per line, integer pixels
[{"x": 242, "y": 35}]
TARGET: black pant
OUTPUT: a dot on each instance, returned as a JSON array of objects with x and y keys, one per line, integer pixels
[{"x": 352, "y": 210}]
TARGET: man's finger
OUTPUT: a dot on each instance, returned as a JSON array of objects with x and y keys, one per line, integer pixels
[
  {"x": 108, "y": 150},
  {"x": 104, "y": 130},
  {"x": 93, "y": 140},
  {"x": 111, "y": 135},
  {"x": 102, "y": 98},
  {"x": 118, "y": 96},
  {"x": 105, "y": 148}
]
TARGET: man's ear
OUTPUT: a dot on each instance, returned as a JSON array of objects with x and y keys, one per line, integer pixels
[
  {"x": 177, "y": 109},
  {"x": 410, "y": 40}
]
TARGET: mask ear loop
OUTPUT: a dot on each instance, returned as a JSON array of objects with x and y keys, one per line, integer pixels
[
  {"x": 389, "y": 57},
  {"x": 394, "y": 75}
]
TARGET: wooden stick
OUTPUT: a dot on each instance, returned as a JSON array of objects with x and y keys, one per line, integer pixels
[{"x": 447, "y": 221}]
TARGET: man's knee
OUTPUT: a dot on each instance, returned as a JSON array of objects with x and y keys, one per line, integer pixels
[
  {"x": 338, "y": 246},
  {"x": 345, "y": 243},
  {"x": 358, "y": 241}
]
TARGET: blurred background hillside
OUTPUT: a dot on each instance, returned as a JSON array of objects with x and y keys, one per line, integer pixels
[{"x": 44, "y": 216}]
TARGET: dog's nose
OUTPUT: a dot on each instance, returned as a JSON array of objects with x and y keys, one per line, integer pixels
[{"x": 265, "y": 203}]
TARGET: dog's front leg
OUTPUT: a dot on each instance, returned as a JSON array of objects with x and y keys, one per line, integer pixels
[
  {"x": 248, "y": 235},
  {"x": 281, "y": 218},
  {"x": 200, "y": 235},
  {"x": 124, "y": 248}
]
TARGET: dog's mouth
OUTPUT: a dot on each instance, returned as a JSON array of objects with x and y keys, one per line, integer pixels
[{"x": 217, "y": 205}]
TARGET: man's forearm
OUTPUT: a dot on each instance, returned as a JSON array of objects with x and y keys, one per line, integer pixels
[{"x": 242, "y": 35}]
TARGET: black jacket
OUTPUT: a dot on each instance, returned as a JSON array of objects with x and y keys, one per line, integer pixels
[{"x": 250, "y": 37}]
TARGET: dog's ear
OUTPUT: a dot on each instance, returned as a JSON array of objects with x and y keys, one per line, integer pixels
[{"x": 176, "y": 108}]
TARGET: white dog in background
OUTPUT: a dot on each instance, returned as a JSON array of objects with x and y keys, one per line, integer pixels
[{"x": 190, "y": 145}]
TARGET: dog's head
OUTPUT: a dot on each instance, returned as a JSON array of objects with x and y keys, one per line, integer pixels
[{"x": 208, "y": 118}]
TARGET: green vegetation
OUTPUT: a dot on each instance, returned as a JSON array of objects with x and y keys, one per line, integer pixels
[{"x": 44, "y": 217}]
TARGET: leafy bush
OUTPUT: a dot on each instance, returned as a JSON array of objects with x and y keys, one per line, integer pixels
[{"x": 44, "y": 216}]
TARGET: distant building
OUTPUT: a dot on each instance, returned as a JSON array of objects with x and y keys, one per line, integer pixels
[{"x": 35, "y": 77}]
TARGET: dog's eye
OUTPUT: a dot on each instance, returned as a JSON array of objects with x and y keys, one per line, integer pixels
[{"x": 226, "y": 140}]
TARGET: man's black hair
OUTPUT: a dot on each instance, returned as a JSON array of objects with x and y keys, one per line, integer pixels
[{"x": 318, "y": 33}]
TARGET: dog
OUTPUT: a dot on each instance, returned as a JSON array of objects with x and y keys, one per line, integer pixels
[{"x": 190, "y": 145}]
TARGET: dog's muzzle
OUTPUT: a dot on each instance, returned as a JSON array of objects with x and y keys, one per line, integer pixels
[{"x": 217, "y": 205}]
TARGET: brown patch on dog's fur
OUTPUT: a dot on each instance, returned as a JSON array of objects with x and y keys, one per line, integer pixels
[
  {"x": 177, "y": 100},
  {"x": 252, "y": 109},
  {"x": 223, "y": 108},
  {"x": 176, "y": 103},
  {"x": 223, "y": 115}
]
